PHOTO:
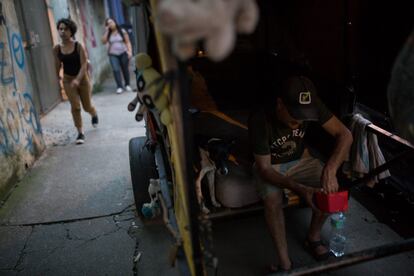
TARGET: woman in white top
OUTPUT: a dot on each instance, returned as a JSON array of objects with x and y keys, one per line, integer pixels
[{"x": 119, "y": 52}]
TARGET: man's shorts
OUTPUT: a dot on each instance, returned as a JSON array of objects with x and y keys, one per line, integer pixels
[{"x": 307, "y": 171}]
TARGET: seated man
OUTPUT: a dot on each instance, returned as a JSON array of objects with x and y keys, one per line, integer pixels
[{"x": 282, "y": 161}]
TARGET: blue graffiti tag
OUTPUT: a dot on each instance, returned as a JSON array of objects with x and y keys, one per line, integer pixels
[
  {"x": 12, "y": 134},
  {"x": 32, "y": 119},
  {"x": 10, "y": 123},
  {"x": 17, "y": 46},
  {"x": 4, "y": 140},
  {"x": 29, "y": 143},
  {"x": 21, "y": 124},
  {"x": 4, "y": 80}
]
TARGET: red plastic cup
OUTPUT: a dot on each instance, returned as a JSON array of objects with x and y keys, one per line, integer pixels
[{"x": 332, "y": 203}]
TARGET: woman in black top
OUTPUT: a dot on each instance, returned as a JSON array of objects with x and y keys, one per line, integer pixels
[{"x": 76, "y": 82}]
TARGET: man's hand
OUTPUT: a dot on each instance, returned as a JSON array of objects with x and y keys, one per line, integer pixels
[
  {"x": 307, "y": 193},
  {"x": 329, "y": 181},
  {"x": 74, "y": 83},
  {"x": 129, "y": 53}
]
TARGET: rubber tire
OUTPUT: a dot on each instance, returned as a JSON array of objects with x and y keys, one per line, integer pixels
[{"x": 143, "y": 168}]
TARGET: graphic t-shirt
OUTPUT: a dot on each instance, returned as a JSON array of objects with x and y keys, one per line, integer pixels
[{"x": 270, "y": 136}]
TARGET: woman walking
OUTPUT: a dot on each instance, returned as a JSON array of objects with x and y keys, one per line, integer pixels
[
  {"x": 76, "y": 82},
  {"x": 119, "y": 52}
]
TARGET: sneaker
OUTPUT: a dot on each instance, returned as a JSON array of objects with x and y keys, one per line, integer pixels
[
  {"x": 119, "y": 90},
  {"x": 128, "y": 88},
  {"x": 95, "y": 121},
  {"x": 80, "y": 139}
]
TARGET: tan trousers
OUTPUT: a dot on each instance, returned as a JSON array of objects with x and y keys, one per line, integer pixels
[
  {"x": 307, "y": 171},
  {"x": 81, "y": 94}
]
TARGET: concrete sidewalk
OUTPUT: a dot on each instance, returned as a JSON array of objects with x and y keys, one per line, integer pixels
[
  {"x": 73, "y": 213},
  {"x": 244, "y": 246}
]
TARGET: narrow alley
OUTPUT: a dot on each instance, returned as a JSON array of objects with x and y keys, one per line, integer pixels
[
  {"x": 68, "y": 209},
  {"x": 240, "y": 105},
  {"x": 73, "y": 213}
]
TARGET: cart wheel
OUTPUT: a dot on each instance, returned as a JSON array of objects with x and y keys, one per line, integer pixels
[{"x": 143, "y": 168}]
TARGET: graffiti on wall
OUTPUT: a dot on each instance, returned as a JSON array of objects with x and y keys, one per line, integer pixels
[
  {"x": 83, "y": 13},
  {"x": 19, "y": 123},
  {"x": 87, "y": 26}
]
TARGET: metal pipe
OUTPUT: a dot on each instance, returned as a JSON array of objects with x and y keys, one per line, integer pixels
[
  {"x": 234, "y": 212},
  {"x": 377, "y": 130}
]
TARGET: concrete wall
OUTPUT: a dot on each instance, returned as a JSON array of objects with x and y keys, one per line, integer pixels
[
  {"x": 59, "y": 7},
  {"x": 21, "y": 138}
]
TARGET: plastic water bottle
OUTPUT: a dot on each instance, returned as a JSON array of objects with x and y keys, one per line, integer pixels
[{"x": 338, "y": 239}]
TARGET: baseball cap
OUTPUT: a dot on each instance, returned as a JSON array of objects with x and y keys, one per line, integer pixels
[{"x": 299, "y": 96}]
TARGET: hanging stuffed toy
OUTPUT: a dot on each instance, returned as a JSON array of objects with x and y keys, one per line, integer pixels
[
  {"x": 151, "y": 93},
  {"x": 213, "y": 21},
  {"x": 152, "y": 209},
  {"x": 144, "y": 73}
]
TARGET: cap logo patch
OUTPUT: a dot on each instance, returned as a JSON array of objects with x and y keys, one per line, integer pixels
[{"x": 305, "y": 97}]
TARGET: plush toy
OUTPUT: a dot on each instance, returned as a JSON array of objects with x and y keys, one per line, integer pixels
[
  {"x": 214, "y": 21},
  {"x": 152, "y": 93},
  {"x": 152, "y": 209}
]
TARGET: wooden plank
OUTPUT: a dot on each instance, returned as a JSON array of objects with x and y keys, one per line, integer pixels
[{"x": 293, "y": 200}]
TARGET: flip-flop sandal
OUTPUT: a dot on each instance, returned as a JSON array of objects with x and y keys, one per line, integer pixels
[
  {"x": 276, "y": 269},
  {"x": 311, "y": 246}
]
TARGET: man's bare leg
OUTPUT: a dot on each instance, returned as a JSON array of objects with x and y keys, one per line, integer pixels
[
  {"x": 276, "y": 223},
  {"x": 317, "y": 222}
]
